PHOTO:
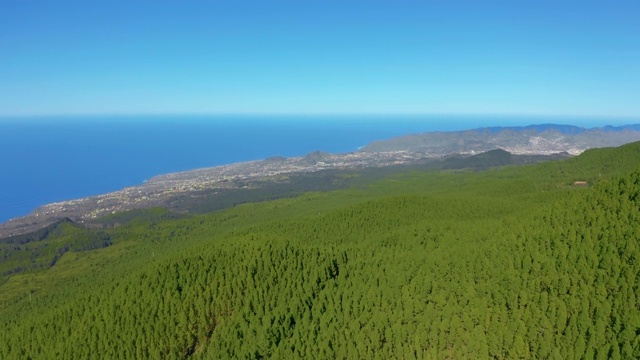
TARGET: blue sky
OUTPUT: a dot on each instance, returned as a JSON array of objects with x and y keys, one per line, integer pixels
[{"x": 319, "y": 57}]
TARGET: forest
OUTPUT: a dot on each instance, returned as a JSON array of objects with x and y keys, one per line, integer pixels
[{"x": 514, "y": 262}]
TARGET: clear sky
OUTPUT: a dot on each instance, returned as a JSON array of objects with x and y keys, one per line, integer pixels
[{"x": 324, "y": 56}]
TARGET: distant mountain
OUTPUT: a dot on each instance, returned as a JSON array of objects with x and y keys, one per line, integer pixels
[{"x": 532, "y": 139}]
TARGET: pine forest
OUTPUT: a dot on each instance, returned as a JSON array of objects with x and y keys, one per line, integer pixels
[{"x": 518, "y": 262}]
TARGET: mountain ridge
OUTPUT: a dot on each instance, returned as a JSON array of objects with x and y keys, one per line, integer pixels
[{"x": 530, "y": 139}]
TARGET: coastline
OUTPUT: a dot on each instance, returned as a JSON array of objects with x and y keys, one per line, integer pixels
[{"x": 409, "y": 149}]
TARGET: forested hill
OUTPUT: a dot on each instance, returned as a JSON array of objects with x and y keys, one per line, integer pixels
[
  {"x": 516, "y": 262},
  {"x": 532, "y": 139}
]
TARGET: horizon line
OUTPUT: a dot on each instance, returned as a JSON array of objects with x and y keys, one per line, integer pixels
[{"x": 322, "y": 114}]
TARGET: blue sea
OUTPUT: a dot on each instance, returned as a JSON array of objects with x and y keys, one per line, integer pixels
[{"x": 49, "y": 159}]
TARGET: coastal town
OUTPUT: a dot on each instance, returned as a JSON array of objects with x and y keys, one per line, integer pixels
[
  {"x": 410, "y": 149},
  {"x": 157, "y": 190}
]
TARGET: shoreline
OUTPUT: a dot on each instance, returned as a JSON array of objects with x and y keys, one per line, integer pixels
[{"x": 160, "y": 189}]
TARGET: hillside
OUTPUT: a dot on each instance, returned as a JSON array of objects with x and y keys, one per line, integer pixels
[{"x": 511, "y": 262}]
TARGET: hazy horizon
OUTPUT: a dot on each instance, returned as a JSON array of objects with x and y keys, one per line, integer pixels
[{"x": 441, "y": 122}]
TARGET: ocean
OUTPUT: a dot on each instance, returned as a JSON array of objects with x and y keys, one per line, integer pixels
[{"x": 49, "y": 159}]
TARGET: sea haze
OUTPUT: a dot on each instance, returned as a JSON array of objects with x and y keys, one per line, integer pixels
[{"x": 52, "y": 159}]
